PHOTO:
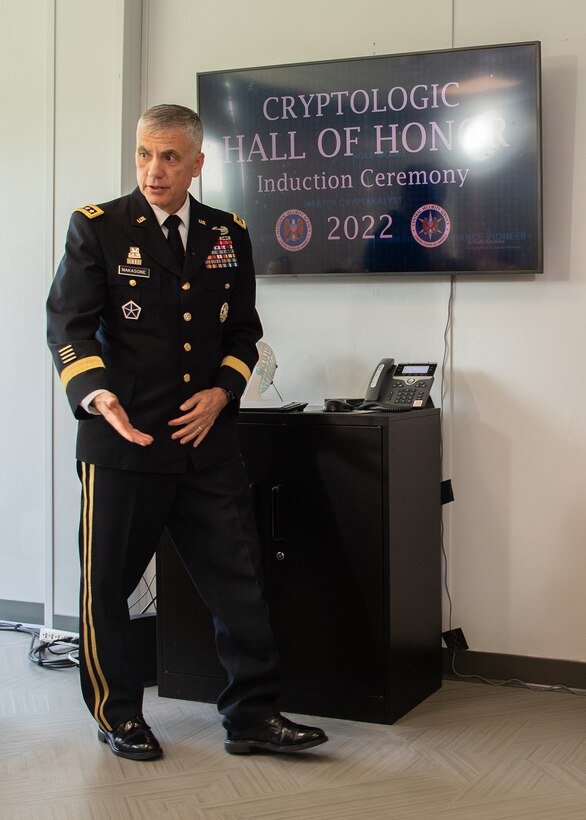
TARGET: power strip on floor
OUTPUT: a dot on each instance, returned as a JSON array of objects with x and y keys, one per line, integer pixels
[{"x": 49, "y": 634}]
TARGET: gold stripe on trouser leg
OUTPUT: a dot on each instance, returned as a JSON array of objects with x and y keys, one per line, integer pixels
[{"x": 98, "y": 680}]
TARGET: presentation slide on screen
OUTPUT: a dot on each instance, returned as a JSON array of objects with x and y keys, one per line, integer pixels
[{"x": 414, "y": 163}]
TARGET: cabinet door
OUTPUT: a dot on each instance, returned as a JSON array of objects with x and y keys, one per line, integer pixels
[
  {"x": 325, "y": 562},
  {"x": 186, "y": 638}
]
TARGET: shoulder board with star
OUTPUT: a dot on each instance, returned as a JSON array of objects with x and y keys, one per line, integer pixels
[
  {"x": 239, "y": 221},
  {"x": 91, "y": 211}
]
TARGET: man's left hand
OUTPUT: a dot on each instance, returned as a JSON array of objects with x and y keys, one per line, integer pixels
[{"x": 200, "y": 413}]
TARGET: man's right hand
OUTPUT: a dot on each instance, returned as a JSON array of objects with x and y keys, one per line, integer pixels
[{"x": 109, "y": 407}]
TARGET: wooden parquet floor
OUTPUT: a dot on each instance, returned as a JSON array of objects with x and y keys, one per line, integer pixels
[{"x": 470, "y": 752}]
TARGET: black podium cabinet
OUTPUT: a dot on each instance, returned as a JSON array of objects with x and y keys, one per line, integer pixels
[{"x": 348, "y": 509}]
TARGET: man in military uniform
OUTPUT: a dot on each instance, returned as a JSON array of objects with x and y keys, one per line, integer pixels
[{"x": 153, "y": 328}]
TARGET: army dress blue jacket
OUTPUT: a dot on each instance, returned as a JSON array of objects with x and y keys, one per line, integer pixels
[{"x": 124, "y": 315}]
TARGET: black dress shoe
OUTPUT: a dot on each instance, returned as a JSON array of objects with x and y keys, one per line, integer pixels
[
  {"x": 276, "y": 734},
  {"x": 132, "y": 739}
]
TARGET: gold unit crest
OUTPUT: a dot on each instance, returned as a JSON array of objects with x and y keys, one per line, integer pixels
[{"x": 134, "y": 257}]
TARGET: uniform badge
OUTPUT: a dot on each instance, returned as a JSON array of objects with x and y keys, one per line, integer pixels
[
  {"x": 131, "y": 310},
  {"x": 224, "y": 312},
  {"x": 223, "y": 229},
  {"x": 202, "y": 221},
  {"x": 141, "y": 219},
  {"x": 134, "y": 257},
  {"x": 222, "y": 254}
]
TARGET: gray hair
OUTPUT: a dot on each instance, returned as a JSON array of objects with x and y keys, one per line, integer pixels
[{"x": 166, "y": 116}]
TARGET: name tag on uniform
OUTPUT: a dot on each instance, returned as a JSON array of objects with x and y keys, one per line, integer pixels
[{"x": 130, "y": 270}]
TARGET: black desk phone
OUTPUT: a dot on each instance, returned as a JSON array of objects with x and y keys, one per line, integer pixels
[
  {"x": 397, "y": 387},
  {"x": 391, "y": 388}
]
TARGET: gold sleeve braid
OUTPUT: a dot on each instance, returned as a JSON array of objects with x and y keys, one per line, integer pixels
[
  {"x": 238, "y": 365},
  {"x": 78, "y": 367}
]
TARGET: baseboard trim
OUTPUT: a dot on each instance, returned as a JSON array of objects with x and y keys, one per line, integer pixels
[
  {"x": 490, "y": 665},
  {"x": 27, "y": 612},
  {"x": 67, "y": 622},
  {"x": 496, "y": 667},
  {"x": 22, "y": 612}
]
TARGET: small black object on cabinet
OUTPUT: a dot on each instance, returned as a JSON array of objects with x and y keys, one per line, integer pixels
[{"x": 348, "y": 508}]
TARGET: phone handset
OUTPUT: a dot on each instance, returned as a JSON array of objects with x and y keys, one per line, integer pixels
[{"x": 382, "y": 374}]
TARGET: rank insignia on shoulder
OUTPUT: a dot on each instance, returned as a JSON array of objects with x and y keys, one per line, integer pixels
[
  {"x": 239, "y": 221},
  {"x": 91, "y": 211}
]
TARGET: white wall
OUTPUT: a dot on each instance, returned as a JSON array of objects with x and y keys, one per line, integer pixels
[
  {"x": 26, "y": 229},
  {"x": 515, "y": 447},
  {"x": 70, "y": 75},
  {"x": 518, "y": 554},
  {"x": 97, "y": 103}
]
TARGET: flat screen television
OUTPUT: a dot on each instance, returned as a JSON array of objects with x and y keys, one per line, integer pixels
[{"x": 426, "y": 163}]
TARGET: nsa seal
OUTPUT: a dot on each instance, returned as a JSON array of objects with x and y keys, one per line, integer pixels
[
  {"x": 293, "y": 230},
  {"x": 430, "y": 226}
]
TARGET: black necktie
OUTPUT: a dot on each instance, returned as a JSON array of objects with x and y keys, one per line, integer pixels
[{"x": 174, "y": 237}]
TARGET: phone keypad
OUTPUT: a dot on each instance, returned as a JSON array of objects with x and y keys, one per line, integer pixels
[{"x": 409, "y": 391}]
